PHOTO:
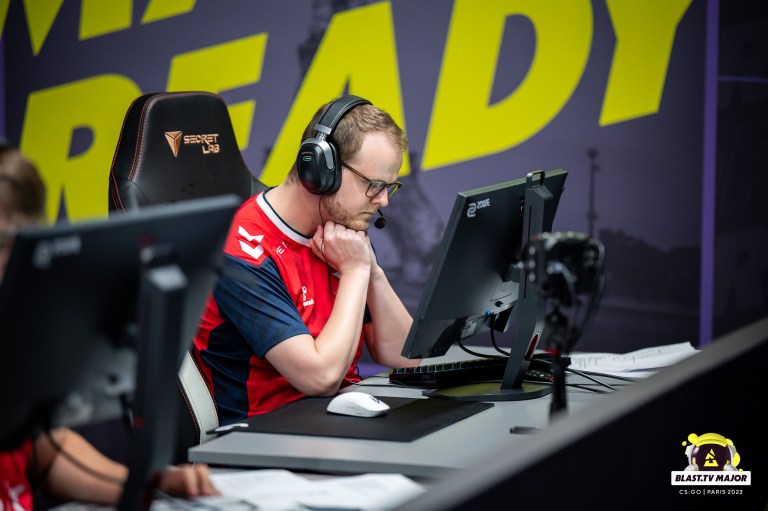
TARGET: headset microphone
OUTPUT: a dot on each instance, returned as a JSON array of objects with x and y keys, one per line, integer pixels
[{"x": 380, "y": 222}]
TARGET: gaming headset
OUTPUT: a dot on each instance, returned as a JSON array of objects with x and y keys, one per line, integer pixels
[{"x": 318, "y": 161}]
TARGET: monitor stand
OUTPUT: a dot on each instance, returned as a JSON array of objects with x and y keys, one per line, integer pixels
[
  {"x": 529, "y": 326},
  {"x": 159, "y": 343}
]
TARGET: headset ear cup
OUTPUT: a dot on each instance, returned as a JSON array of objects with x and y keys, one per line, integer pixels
[
  {"x": 332, "y": 177},
  {"x": 318, "y": 162},
  {"x": 308, "y": 161},
  {"x": 312, "y": 166}
]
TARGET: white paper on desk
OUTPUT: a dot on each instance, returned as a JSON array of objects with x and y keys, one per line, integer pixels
[
  {"x": 262, "y": 483},
  {"x": 282, "y": 490},
  {"x": 368, "y": 492},
  {"x": 636, "y": 364}
]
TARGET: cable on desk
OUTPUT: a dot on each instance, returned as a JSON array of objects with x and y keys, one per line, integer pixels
[
  {"x": 493, "y": 337},
  {"x": 583, "y": 386},
  {"x": 591, "y": 378},
  {"x": 471, "y": 352},
  {"x": 607, "y": 375},
  {"x": 584, "y": 374}
]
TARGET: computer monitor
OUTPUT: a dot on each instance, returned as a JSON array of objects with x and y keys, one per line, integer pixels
[
  {"x": 476, "y": 284},
  {"x": 76, "y": 295},
  {"x": 621, "y": 451}
]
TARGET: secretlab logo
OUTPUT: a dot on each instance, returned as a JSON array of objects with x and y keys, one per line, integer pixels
[
  {"x": 209, "y": 142},
  {"x": 474, "y": 206},
  {"x": 174, "y": 140}
]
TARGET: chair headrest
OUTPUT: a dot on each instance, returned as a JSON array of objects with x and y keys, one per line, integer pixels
[{"x": 175, "y": 146}]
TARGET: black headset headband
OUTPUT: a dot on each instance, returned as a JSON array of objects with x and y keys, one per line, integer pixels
[{"x": 331, "y": 117}]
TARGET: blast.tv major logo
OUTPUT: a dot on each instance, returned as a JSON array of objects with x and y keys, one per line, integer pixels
[{"x": 712, "y": 459}]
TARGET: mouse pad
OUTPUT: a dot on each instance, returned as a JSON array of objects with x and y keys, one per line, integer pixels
[{"x": 407, "y": 419}]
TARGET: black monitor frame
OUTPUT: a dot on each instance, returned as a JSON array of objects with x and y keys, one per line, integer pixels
[
  {"x": 476, "y": 282},
  {"x": 75, "y": 295}
]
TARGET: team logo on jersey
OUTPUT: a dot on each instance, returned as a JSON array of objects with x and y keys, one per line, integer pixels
[
  {"x": 304, "y": 300},
  {"x": 248, "y": 246}
]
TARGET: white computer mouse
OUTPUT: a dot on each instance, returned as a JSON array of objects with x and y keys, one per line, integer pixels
[{"x": 358, "y": 404}]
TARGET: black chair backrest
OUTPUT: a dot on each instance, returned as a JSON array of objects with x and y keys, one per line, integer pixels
[{"x": 175, "y": 146}]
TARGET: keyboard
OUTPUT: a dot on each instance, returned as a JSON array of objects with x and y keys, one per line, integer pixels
[{"x": 450, "y": 374}]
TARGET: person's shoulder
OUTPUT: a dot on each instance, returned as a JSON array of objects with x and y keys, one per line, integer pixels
[{"x": 249, "y": 208}]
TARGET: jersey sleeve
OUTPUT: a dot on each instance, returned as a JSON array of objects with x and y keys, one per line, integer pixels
[{"x": 255, "y": 300}]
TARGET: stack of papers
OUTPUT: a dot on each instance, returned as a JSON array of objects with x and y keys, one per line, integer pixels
[
  {"x": 635, "y": 364},
  {"x": 282, "y": 490}
]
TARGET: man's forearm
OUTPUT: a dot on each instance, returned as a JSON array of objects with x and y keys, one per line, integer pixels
[{"x": 391, "y": 322}]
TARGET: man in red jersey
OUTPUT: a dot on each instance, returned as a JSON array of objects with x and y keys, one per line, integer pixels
[{"x": 301, "y": 289}]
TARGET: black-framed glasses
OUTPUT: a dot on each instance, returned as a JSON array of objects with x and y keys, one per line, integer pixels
[{"x": 376, "y": 186}]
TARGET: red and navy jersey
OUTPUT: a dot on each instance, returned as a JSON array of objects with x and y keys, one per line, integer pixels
[
  {"x": 272, "y": 287},
  {"x": 15, "y": 490}
]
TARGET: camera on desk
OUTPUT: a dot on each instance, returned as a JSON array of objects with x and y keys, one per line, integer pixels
[{"x": 562, "y": 265}]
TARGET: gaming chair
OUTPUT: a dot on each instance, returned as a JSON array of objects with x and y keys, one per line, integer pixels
[{"x": 175, "y": 146}]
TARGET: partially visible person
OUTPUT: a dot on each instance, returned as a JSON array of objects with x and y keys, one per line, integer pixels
[
  {"x": 22, "y": 198},
  {"x": 301, "y": 290},
  {"x": 66, "y": 467},
  {"x": 61, "y": 463}
]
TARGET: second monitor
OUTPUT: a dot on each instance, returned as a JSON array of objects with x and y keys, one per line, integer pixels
[{"x": 476, "y": 285}]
